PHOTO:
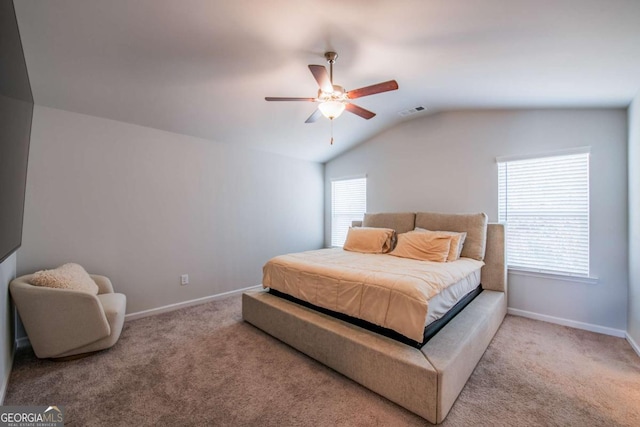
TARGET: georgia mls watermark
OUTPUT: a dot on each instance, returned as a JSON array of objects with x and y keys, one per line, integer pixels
[{"x": 31, "y": 416}]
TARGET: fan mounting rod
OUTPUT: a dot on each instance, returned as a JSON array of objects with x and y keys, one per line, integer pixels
[{"x": 331, "y": 59}]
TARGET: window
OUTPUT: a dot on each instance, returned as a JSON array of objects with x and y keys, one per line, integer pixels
[
  {"x": 348, "y": 203},
  {"x": 545, "y": 203}
]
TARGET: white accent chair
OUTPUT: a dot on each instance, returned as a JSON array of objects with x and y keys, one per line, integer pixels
[{"x": 62, "y": 323}]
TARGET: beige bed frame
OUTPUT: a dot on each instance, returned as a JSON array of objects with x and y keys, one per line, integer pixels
[{"x": 425, "y": 381}]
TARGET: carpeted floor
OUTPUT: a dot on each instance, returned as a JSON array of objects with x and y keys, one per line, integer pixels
[{"x": 204, "y": 366}]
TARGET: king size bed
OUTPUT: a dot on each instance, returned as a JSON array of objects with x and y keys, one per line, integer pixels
[{"x": 417, "y": 353}]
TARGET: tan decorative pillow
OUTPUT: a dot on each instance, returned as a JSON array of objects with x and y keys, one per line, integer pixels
[
  {"x": 369, "y": 240},
  {"x": 422, "y": 246},
  {"x": 67, "y": 276},
  {"x": 457, "y": 240},
  {"x": 474, "y": 224}
]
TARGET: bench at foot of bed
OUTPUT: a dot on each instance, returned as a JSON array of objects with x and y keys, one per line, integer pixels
[{"x": 426, "y": 382}]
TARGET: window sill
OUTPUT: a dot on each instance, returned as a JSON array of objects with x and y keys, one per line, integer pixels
[{"x": 554, "y": 276}]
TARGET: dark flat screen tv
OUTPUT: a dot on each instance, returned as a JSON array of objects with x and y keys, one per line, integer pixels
[{"x": 16, "y": 113}]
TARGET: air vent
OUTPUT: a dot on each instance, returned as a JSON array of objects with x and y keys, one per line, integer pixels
[{"x": 411, "y": 111}]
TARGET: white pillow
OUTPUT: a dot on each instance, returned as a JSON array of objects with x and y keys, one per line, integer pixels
[{"x": 68, "y": 276}]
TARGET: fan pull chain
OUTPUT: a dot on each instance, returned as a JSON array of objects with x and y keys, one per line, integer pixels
[{"x": 331, "y": 131}]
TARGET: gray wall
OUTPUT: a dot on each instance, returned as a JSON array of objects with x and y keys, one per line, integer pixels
[
  {"x": 446, "y": 162},
  {"x": 633, "y": 323},
  {"x": 144, "y": 206},
  {"x": 7, "y": 273}
]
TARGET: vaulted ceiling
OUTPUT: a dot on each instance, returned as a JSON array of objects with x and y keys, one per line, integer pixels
[{"x": 203, "y": 67}]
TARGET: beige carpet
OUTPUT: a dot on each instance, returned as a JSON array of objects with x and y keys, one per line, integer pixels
[{"x": 204, "y": 366}]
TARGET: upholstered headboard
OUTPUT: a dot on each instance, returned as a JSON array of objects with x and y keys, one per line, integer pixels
[
  {"x": 484, "y": 241},
  {"x": 494, "y": 272},
  {"x": 401, "y": 222}
]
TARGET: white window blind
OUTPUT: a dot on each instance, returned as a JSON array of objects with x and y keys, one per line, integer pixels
[
  {"x": 348, "y": 203},
  {"x": 545, "y": 203}
]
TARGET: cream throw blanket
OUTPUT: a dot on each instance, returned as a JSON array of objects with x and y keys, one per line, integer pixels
[{"x": 385, "y": 290}]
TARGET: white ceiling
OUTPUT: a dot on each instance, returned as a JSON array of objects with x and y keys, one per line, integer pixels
[{"x": 203, "y": 67}]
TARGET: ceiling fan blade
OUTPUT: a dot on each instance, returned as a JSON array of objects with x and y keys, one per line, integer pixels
[
  {"x": 272, "y": 98},
  {"x": 313, "y": 117},
  {"x": 359, "y": 111},
  {"x": 322, "y": 77},
  {"x": 372, "y": 90}
]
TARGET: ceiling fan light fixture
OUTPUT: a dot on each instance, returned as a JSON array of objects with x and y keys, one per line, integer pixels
[
  {"x": 331, "y": 109},
  {"x": 333, "y": 99}
]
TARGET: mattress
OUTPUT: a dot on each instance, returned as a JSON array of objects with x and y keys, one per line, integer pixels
[
  {"x": 449, "y": 296},
  {"x": 442, "y": 308},
  {"x": 387, "y": 291}
]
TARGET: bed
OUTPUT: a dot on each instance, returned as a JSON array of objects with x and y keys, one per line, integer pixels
[{"x": 424, "y": 380}]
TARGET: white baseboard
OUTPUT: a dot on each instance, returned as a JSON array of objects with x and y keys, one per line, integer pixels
[
  {"x": 179, "y": 305},
  {"x": 22, "y": 342},
  {"x": 567, "y": 322},
  {"x": 5, "y": 382},
  {"x": 4, "y": 385},
  {"x": 634, "y": 345}
]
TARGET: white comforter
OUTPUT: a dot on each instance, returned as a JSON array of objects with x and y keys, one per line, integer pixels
[{"x": 382, "y": 289}]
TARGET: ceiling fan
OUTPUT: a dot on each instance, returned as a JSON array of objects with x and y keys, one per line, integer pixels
[{"x": 333, "y": 99}]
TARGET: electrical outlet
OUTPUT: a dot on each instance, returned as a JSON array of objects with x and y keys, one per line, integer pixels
[{"x": 184, "y": 279}]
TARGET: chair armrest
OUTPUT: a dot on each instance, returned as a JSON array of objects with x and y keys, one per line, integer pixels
[
  {"x": 104, "y": 284},
  {"x": 59, "y": 320}
]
